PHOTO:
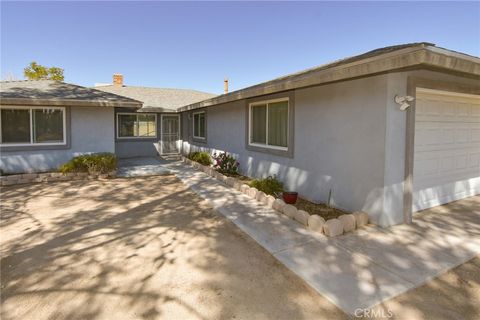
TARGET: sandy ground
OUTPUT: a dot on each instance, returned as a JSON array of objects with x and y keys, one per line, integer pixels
[
  {"x": 455, "y": 295},
  {"x": 145, "y": 248},
  {"x": 149, "y": 248}
]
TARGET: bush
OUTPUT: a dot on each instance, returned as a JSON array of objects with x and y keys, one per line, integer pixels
[
  {"x": 225, "y": 163},
  {"x": 200, "y": 157},
  {"x": 96, "y": 163},
  {"x": 269, "y": 185}
]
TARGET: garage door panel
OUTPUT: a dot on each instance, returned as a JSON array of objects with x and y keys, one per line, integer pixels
[
  {"x": 441, "y": 136},
  {"x": 447, "y": 148},
  {"x": 447, "y": 192}
]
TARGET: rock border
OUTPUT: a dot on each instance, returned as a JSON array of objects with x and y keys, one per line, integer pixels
[
  {"x": 331, "y": 228},
  {"x": 15, "y": 179}
]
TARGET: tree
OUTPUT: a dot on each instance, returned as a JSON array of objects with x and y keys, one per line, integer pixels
[{"x": 36, "y": 71}]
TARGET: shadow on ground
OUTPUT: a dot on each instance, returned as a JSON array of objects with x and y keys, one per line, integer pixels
[{"x": 140, "y": 248}]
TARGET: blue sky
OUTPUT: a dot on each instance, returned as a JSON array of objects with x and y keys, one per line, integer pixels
[{"x": 196, "y": 45}]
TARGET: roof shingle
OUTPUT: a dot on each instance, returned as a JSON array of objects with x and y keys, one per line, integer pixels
[
  {"x": 50, "y": 92},
  {"x": 158, "y": 99}
]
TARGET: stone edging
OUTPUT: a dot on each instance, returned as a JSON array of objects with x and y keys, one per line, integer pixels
[
  {"x": 15, "y": 179},
  {"x": 331, "y": 228}
]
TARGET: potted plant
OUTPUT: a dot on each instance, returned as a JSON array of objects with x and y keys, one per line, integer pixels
[{"x": 290, "y": 197}]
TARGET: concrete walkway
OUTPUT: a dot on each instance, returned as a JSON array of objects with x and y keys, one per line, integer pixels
[
  {"x": 141, "y": 166},
  {"x": 357, "y": 270}
]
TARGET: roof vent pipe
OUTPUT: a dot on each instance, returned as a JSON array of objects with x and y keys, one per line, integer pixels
[{"x": 225, "y": 85}]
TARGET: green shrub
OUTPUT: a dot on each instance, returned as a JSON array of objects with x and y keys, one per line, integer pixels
[
  {"x": 269, "y": 185},
  {"x": 200, "y": 157},
  {"x": 225, "y": 163},
  {"x": 92, "y": 163}
]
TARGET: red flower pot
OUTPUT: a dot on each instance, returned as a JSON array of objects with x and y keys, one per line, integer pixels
[{"x": 290, "y": 197}]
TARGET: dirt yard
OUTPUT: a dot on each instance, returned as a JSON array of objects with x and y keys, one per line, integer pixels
[
  {"x": 149, "y": 248},
  {"x": 144, "y": 248}
]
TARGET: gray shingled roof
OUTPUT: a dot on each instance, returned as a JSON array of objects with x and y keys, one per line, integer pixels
[
  {"x": 158, "y": 99},
  {"x": 50, "y": 92},
  {"x": 393, "y": 58}
]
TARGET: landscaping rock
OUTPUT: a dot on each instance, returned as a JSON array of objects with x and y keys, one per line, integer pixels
[
  {"x": 348, "y": 221},
  {"x": 278, "y": 205},
  {"x": 315, "y": 223},
  {"x": 244, "y": 188},
  {"x": 289, "y": 210},
  {"x": 269, "y": 200},
  {"x": 302, "y": 217},
  {"x": 29, "y": 176},
  {"x": 361, "y": 218},
  {"x": 252, "y": 193},
  {"x": 237, "y": 185},
  {"x": 333, "y": 228},
  {"x": 260, "y": 196},
  {"x": 230, "y": 181}
]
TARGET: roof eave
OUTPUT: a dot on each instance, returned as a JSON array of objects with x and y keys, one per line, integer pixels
[
  {"x": 69, "y": 103},
  {"x": 408, "y": 58}
]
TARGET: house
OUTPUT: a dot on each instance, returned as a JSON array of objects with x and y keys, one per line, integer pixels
[
  {"x": 45, "y": 123},
  {"x": 161, "y": 120},
  {"x": 392, "y": 131}
]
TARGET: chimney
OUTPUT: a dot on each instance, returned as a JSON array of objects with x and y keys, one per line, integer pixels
[
  {"x": 118, "y": 80},
  {"x": 225, "y": 85}
]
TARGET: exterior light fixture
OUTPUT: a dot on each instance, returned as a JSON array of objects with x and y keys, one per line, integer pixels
[{"x": 403, "y": 101}]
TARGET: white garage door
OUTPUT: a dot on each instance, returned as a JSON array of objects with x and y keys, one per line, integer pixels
[{"x": 447, "y": 148}]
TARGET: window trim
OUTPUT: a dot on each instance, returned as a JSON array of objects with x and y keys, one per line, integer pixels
[
  {"x": 136, "y": 114},
  {"x": 250, "y": 127},
  {"x": 193, "y": 125},
  {"x": 32, "y": 143}
]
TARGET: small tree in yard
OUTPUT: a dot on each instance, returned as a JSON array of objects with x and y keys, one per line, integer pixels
[{"x": 36, "y": 71}]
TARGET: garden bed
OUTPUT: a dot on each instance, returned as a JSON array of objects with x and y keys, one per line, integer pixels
[
  {"x": 315, "y": 216},
  {"x": 318, "y": 208}
]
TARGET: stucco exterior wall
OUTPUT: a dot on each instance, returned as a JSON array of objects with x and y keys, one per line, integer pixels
[
  {"x": 91, "y": 130},
  {"x": 395, "y": 139},
  {"x": 339, "y": 143},
  {"x": 136, "y": 147},
  {"x": 350, "y": 138}
]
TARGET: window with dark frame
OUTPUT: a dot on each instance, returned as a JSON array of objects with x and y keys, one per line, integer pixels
[
  {"x": 199, "y": 131},
  {"x": 136, "y": 125},
  {"x": 32, "y": 126},
  {"x": 268, "y": 125}
]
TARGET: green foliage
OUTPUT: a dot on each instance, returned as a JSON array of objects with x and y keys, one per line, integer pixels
[
  {"x": 36, "y": 71},
  {"x": 96, "y": 163},
  {"x": 269, "y": 185},
  {"x": 225, "y": 163},
  {"x": 200, "y": 157}
]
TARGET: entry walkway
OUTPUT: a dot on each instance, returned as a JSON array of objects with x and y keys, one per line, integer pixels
[
  {"x": 141, "y": 166},
  {"x": 357, "y": 270}
]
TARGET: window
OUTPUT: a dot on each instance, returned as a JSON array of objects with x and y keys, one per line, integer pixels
[
  {"x": 199, "y": 131},
  {"x": 32, "y": 126},
  {"x": 269, "y": 124},
  {"x": 136, "y": 125}
]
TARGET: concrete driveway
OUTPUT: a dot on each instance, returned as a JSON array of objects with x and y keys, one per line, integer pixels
[{"x": 142, "y": 248}]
